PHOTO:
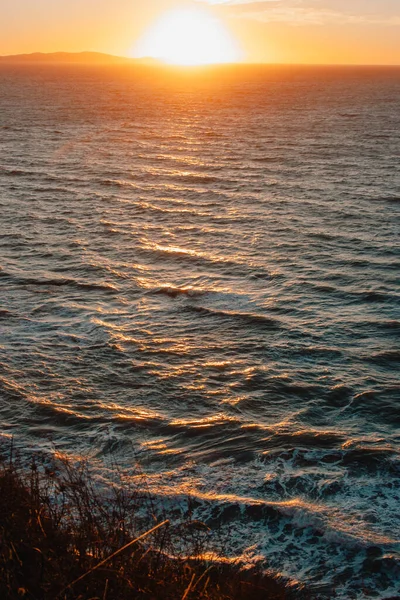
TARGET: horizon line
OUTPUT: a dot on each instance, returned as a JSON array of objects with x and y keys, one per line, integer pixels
[{"x": 157, "y": 62}]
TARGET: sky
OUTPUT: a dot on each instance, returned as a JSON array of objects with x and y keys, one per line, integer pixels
[{"x": 277, "y": 31}]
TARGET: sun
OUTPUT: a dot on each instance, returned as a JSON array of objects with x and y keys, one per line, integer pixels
[{"x": 188, "y": 37}]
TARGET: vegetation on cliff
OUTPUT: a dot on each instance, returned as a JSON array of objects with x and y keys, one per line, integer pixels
[{"x": 62, "y": 538}]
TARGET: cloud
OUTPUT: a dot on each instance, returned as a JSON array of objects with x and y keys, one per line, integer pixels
[{"x": 378, "y": 12}]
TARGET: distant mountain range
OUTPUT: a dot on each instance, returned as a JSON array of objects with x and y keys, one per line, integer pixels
[{"x": 81, "y": 58}]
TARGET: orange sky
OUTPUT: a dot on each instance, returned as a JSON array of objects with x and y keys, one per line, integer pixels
[{"x": 288, "y": 31}]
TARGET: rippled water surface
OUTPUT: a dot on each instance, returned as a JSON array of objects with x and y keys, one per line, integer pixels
[{"x": 203, "y": 271}]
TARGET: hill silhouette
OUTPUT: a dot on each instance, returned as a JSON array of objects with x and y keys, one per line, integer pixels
[{"x": 83, "y": 58}]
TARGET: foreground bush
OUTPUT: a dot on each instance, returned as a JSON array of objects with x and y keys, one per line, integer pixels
[{"x": 62, "y": 539}]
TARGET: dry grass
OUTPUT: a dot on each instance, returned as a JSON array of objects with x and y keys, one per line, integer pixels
[{"x": 60, "y": 538}]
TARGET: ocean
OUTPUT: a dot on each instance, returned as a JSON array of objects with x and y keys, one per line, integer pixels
[{"x": 199, "y": 272}]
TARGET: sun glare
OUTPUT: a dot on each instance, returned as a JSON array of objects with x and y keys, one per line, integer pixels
[{"x": 188, "y": 37}]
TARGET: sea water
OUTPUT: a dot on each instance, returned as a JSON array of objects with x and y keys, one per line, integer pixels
[{"x": 199, "y": 270}]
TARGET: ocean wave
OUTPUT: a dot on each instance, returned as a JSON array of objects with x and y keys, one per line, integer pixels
[
  {"x": 389, "y": 199},
  {"x": 386, "y": 357},
  {"x": 352, "y": 295},
  {"x": 176, "y": 292},
  {"x": 224, "y": 264},
  {"x": 254, "y": 319},
  {"x": 362, "y": 457},
  {"x": 315, "y": 536},
  {"x": 58, "y": 282}
]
